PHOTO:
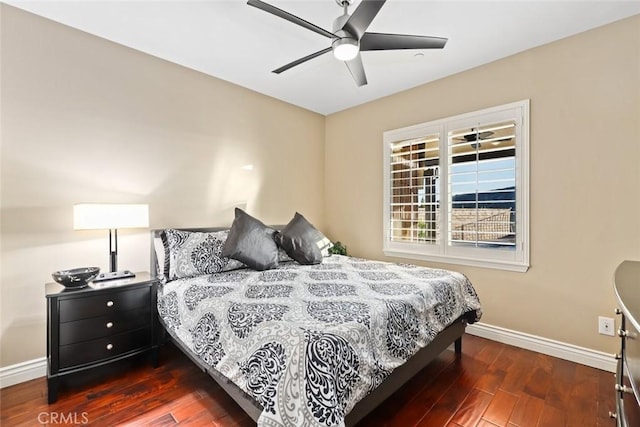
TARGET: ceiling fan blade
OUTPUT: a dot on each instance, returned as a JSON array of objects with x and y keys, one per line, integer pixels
[
  {"x": 380, "y": 41},
  {"x": 361, "y": 18},
  {"x": 301, "y": 60},
  {"x": 289, "y": 17},
  {"x": 357, "y": 70}
]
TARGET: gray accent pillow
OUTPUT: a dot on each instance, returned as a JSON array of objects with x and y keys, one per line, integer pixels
[
  {"x": 302, "y": 241},
  {"x": 251, "y": 242},
  {"x": 191, "y": 254}
]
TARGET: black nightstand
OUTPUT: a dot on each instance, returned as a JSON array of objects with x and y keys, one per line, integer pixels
[{"x": 99, "y": 324}]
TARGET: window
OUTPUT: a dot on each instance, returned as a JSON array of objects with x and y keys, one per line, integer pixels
[{"x": 456, "y": 189}]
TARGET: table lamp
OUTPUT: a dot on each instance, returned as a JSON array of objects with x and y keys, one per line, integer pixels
[{"x": 102, "y": 216}]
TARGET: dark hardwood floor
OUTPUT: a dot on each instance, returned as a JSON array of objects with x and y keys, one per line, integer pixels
[{"x": 490, "y": 384}]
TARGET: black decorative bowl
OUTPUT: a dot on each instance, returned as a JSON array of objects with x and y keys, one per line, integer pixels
[{"x": 76, "y": 277}]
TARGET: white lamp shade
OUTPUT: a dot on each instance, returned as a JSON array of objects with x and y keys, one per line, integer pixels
[{"x": 96, "y": 216}]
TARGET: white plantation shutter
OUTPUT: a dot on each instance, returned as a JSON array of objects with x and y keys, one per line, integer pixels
[
  {"x": 482, "y": 186},
  {"x": 414, "y": 172},
  {"x": 456, "y": 189}
]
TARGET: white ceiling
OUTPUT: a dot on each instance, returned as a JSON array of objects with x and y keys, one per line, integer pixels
[{"x": 241, "y": 44}]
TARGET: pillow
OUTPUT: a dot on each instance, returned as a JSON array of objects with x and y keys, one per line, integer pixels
[
  {"x": 251, "y": 242},
  {"x": 162, "y": 262},
  {"x": 302, "y": 241},
  {"x": 195, "y": 253}
]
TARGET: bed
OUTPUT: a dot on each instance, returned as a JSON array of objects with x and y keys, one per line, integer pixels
[{"x": 319, "y": 344}]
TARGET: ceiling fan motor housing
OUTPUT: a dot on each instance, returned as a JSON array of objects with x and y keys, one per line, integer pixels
[
  {"x": 338, "y": 23},
  {"x": 345, "y": 46}
]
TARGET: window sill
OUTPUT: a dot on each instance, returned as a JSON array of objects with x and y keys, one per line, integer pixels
[{"x": 472, "y": 262}]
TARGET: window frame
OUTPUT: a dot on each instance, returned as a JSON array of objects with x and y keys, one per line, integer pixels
[{"x": 496, "y": 258}]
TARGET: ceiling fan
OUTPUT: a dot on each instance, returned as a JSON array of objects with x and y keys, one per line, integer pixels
[
  {"x": 476, "y": 138},
  {"x": 349, "y": 36},
  {"x": 475, "y": 135}
]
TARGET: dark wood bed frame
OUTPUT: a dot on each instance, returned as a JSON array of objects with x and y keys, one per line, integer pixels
[{"x": 450, "y": 335}]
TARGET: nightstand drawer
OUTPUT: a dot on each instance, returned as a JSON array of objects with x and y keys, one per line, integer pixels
[
  {"x": 103, "y": 348},
  {"x": 105, "y": 326},
  {"x": 101, "y": 305}
]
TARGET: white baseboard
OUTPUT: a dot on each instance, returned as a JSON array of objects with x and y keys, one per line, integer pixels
[
  {"x": 37, "y": 368},
  {"x": 573, "y": 353},
  {"x": 22, "y": 372}
]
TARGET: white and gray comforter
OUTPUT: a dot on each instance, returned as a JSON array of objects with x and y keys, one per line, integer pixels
[{"x": 308, "y": 342}]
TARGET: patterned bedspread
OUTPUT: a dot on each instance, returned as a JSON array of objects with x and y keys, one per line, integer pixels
[{"x": 308, "y": 342}]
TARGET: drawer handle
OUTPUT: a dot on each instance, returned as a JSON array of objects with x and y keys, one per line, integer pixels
[
  {"x": 109, "y": 346},
  {"x": 624, "y": 389},
  {"x": 109, "y": 325},
  {"x": 627, "y": 334},
  {"x": 613, "y": 415},
  {"x": 109, "y": 303}
]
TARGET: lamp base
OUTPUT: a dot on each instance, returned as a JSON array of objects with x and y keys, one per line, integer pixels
[{"x": 114, "y": 275}]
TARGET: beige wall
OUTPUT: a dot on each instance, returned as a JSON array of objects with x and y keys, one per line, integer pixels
[
  {"x": 585, "y": 175},
  {"x": 84, "y": 119}
]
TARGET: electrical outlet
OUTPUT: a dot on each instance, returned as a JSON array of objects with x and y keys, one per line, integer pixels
[{"x": 606, "y": 326}]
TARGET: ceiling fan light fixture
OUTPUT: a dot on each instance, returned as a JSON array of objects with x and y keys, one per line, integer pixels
[{"x": 345, "y": 49}]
